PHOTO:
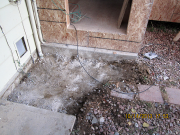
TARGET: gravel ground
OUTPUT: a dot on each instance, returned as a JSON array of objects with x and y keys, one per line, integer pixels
[
  {"x": 103, "y": 114},
  {"x": 107, "y": 115},
  {"x": 167, "y": 65}
]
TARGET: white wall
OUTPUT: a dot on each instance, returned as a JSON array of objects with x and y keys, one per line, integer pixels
[{"x": 15, "y": 23}]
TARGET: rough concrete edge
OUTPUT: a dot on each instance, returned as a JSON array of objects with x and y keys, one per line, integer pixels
[
  {"x": 126, "y": 55},
  {"x": 16, "y": 78}
]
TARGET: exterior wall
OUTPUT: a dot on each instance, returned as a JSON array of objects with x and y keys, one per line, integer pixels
[
  {"x": 53, "y": 26},
  {"x": 12, "y": 21},
  {"x": 166, "y": 10}
]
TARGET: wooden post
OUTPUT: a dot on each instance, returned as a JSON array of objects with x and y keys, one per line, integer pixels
[
  {"x": 177, "y": 37},
  {"x": 123, "y": 10}
]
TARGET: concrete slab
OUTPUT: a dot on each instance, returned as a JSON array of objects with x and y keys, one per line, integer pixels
[
  {"x": 153, "y": 94},
  {"x": 19, "y": 119},
  {"x": 173, "y": 95},
  {"x": 126, "y": 96},
  {"x": 87, "y": 52}
]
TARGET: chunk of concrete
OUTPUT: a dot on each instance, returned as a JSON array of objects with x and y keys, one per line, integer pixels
[
  {"x": 153, "y": 94},
  {"x": 173, "y": 95},
  {"x": 19, "y": 119},
  {"x": 115, "y": 93}
]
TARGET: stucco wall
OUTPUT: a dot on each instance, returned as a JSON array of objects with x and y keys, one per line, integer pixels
[
  {"x": 12, "y": 20},
  {"x": 53, "y": 25}
]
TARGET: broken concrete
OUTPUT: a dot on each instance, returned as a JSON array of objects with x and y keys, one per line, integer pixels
[
  {"x": 125, "y": 96},
  {"x": 19, "y": 119}
]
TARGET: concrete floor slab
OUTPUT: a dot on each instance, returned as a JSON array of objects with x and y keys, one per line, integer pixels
[
  {"x": 88, "y": 52},
  {"x": 19, "y": 119},
  {"x": 153, "y": 94},
  {"x": 173, "y": 95}
]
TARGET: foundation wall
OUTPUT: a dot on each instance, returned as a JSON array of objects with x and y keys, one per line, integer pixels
[{"x": 53, "y": 26}]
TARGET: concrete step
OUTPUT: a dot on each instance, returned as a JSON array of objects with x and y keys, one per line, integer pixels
[{"x": 20, "y": 119}]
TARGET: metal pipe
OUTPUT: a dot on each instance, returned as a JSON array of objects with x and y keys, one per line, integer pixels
[
  {"x": 33, "y": 25},
  {"x": 38, "y": 25}
]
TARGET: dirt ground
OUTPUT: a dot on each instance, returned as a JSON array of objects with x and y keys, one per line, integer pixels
[
  {"x": 103, "y": 114},
  {"x": 60, "y": 84}
]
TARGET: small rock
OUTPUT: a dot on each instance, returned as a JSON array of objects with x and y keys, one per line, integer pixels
[
  {"x": 88, "y": 117},
  {"x": 101, "y": 120},
  {"x": 81, "y": 109},
  {"x": 94, "y": 120},
  {"x": 136, "y": 125},
  {"x": 171, "y": 124},
  {"x": 95, "y": 111},
  {"x": 165, "y": 77},
  {"x": 116, "y": 133},
  {"x": 92, "y": 128},
  {"x": 148, "y": 71}
]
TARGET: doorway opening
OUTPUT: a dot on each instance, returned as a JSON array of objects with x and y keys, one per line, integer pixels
[{"x": 105, "y": 16}]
